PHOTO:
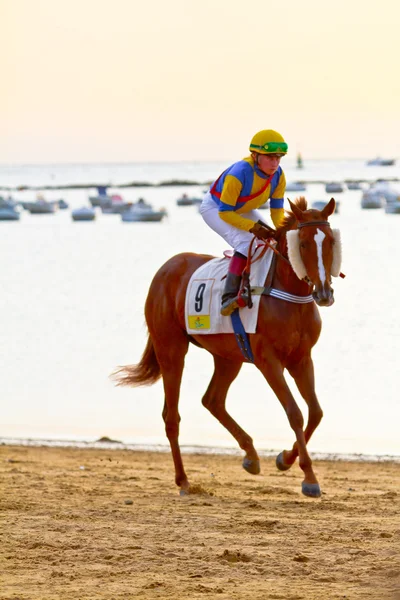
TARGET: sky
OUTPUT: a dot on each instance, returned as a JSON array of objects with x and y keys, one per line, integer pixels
[{"x": 123, "y": 80}]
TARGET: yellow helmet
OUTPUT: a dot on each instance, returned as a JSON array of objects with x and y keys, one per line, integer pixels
[{"x": 268, "y": 141}]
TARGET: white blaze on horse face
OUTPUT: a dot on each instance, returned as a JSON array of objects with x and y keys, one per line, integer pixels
[{"x": 319, "y": 238}]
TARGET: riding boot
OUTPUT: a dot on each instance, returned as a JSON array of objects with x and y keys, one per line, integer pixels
[{"x": 230, "y": 296}]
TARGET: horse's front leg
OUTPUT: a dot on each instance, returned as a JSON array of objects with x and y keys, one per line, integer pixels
[
  {"x": 303, "y": 374},
  {"x": 272, "y": 370}
]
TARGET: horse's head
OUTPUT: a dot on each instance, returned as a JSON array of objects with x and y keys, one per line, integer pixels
[{"x": 314, "y": 249}]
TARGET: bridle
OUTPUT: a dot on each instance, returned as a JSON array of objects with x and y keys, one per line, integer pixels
[{"x": 279, "y": 254}]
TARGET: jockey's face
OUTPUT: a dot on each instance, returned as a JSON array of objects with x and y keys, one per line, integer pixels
[{"x": 269, "y": 163}]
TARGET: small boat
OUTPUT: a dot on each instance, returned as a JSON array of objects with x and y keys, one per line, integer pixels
[
  {"x": 41, "y": 207},
  {"x": 116, "y": 206},
  {"x": 372, "y": 199},
  {"x": 62, "y": 205},
  {"x": 86, "y": 213},
  {"x": 381, "y": 162},
  {"x": 393, "y": 208},
  {"x": 143, "y": 213},
  {"x": 9, "y": 214},
  {"x": 333, "y": 188},
  {"x": 386, "y": 190},
  {"x": 353, "y": 185},
  {"x": 296, "y": 186},
  {"x": 186, "y": 200},
  {"x": 320, "y": 204},
  {"x": 8, "y": 210},
  {"x": 102, "y": 198}
]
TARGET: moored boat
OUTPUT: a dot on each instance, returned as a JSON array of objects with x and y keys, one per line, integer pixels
[
  {"x": 296, "y": 186},
  {"x": 186, "y": 200},
  {"x": 102, "y": 198},
  {"x": 333, "y": 188},
  {"x": 372, "y": 199},
  {"x": 393, "y": 208},
  {"x": 41, "y": 207},
  {"x": 85, "y": 213},
  {"x": 142, "y": 213},
  {"x": 354, "y": 185},
  {"x": 8, "y": 210},
  {"x": 381, "y": 162}
]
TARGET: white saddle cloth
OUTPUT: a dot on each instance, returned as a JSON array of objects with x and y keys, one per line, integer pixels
[{"x": 204, "y": 292}]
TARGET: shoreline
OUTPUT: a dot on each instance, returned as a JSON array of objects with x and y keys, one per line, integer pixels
[
  {"x": 175, "y": 183},
  {"x": 106, "y": 443}
]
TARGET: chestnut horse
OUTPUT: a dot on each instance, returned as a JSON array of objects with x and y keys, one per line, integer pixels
[{"x": 286, "y": 333}]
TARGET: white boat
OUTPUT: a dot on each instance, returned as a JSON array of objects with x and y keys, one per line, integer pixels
[
  {"x": 393, "y": 208},
  {"x": 381, "y": 162},
  {"x": 41, "y": 207},
  {"x": 86, "y": 213},
  {"x": 333, "y": 188},
  {"x": 102, "y": 198},
  {"x": 372, "y": 199},
  {"x": 141, "y": 213},
  {"x": 8, "y": 210},
  {"x": 186, "y": 200},
  {"x": 62, "y": 204},
  {"x": 354, "y": 185},
  {"x": 116, "y": 206},
  {"x": 296, "y": 186},
  {"x": 390, "y": 193}
]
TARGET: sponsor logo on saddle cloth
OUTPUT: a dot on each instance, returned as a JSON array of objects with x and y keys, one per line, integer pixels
[{"x": 204, "y": 292}]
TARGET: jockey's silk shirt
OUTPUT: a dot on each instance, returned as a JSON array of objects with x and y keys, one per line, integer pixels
[{"x": 243, "y": 179}]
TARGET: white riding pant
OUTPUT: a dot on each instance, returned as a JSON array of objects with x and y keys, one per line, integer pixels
[{"x": 238, "y": 239}]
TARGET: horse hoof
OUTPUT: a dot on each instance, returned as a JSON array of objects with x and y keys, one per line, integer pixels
[
  {"x": 312, "y": 490},
  {"x": 251, "y": 466},
  {"x": 183, "y": 493},
  {"x": 280, "y": 464}
]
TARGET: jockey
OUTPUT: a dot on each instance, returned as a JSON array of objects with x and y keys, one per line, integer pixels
[{"x": 229, "y": 207}]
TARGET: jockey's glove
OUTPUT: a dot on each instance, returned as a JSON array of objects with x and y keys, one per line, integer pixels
[{"x": 262, "y": 231}]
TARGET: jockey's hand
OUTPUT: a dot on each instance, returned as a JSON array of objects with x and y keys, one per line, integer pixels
[{"x": 262, "y": 231}]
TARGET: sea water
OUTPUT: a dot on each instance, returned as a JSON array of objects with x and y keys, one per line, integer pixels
[{"x": 72, "y": 310}]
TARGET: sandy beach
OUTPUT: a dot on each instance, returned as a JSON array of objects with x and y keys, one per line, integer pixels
[{"x": 80, "y": 524}]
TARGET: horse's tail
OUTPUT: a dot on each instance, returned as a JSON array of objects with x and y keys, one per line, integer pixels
[{"x": 146, "y": 372}]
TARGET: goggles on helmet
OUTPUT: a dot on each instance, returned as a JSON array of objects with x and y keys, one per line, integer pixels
[{"x": 271, "y": 147}]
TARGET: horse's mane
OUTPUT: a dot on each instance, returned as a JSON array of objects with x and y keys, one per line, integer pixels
[{"x": 289, "y": 218}]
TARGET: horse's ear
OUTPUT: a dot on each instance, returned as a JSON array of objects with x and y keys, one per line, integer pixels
[
  {"x": 329, "y": 208},
  {"x": 296, "y": 210}
]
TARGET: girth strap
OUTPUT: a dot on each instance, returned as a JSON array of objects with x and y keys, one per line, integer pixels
[{"x": 268, "y": 291}]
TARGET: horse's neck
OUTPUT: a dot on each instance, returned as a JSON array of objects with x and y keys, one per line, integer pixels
[{"x": 284, "y": 277}]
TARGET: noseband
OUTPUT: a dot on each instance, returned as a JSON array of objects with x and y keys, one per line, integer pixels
[{"x": 300, "y": 225}]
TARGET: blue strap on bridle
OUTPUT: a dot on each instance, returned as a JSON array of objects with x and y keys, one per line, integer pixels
[{"x": 241, "y": 336}]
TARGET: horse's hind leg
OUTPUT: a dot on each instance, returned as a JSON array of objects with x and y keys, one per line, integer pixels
[
  {"x": 171, "y": 358},
  {"x": 303, "y": 374},
  {"x": 225, "y": 371}
]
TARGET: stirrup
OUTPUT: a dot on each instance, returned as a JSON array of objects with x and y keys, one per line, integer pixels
[{"x": 232, "y": 303}]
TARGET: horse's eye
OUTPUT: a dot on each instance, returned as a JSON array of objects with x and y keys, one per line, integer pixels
[{"x": 303, "y": 245}]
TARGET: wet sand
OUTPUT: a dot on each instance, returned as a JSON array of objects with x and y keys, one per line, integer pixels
[{"x": 80, "y": 524}]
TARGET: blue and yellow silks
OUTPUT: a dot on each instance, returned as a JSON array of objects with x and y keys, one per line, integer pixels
[{"x": 244, "y": 179}]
